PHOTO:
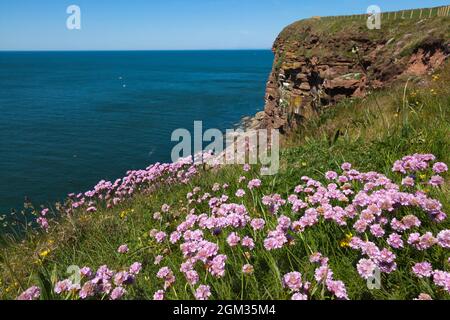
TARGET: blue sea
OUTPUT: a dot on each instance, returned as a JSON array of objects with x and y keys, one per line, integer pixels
[{"x": 70, "y": 119}]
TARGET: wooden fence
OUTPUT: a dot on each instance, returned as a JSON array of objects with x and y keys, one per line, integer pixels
[{"x": 404, "y": 14}]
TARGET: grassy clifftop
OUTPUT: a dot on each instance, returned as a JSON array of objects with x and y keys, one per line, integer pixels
[{"x": 239, "y": 259}]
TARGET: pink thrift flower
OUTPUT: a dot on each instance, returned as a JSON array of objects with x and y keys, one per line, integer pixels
[
  {"x": 366, "y": 268},
  {"x": 395, "y": 241},
  {"x": 247, "y": 269},
  {"x": 377, "y": 230},
  {"x": 233, "y": 239},
  {"x": 159, "y": 295},
  {"x": 158, "y": 259},
  {"x": 123, "y": 249},
  {"x": 117, "y": 293},
  {"x": 32, "y": 293},
  {"x": 436, "y": 181},
  {"x": 255, "y": 183},
  {"x": 423, "y": 296},
  {"x": 423, "y": 269},
  {"x": 160, "y": 236},
  {"x": 346, "y": 166},
  {"x": 331, "y": 175},
  {"x": 443, "y": 239},
  {"x": 192, "y": 277},
  {"x": 440, "y": 167},
  {"x": 240, "y": 193},
  {"x": 203, "y": 292},
  {"x": 248, "y": 242},
  {"x": 257, "y": 224},
  {"x": 135, "y": 268},
  {"x": 299, "y": 296},
  {"x": 408, "y": 181},
  {"x": 293, "y": 280}
]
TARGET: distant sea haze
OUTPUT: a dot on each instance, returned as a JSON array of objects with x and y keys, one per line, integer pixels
[{"x": 70, "y": 119}]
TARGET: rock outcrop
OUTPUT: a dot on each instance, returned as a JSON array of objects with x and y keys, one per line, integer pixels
[{"x": 318, "y": 62}]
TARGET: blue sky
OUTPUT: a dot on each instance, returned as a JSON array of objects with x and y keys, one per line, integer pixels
[{"x": 166, "y": 24}]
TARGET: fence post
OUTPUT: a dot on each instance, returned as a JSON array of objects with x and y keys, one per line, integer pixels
[{"x": 420, "y": 16}]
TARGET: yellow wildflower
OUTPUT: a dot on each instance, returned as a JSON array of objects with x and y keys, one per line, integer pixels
[{"x": 44, "y": 253}]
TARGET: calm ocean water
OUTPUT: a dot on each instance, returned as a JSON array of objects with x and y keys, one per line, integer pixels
[{"x": 70, "y": 119}]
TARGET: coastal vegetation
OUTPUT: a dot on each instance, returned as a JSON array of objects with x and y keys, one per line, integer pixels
[{"x": 363, "y": 188}]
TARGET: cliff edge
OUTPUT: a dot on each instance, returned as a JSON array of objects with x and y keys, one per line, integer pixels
[{"x": 320, "y": 61}]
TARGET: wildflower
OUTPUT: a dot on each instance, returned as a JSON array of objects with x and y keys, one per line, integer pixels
[
  {"x": 157, "y": 216},
  {"x": 123, "y": 249},
  {"x": 366, "y": 268},
  {"x": 44, "y": 253},
  {"x": 442, "y": 279},
  {"x": 436, "y": 181},
  {"x": 240, "y": 193},
  {"x": 331, "y": 175},
  {"x": 422, "y": 269},
  {"x": 443, "y": 238},
  {"x": 165, "y": 208},
  {"x": 135, "y": 268},
  {"x": 123, "y": 277},
  {"x": 159, "y": 295},
  {"x": 323, "y": 273},
  {"x": 293, "y": 280},
  {"x": 346, "y": 166},
  {"x": 43, "y": 222},
  {"x": 160, "y": 236},
  {"x": 89, "y": 289},
  {"x": 255, "y": 183},
  {"x": 233, "y": 239},
  {"x": 247, "y": 269},
  {"x": 377, "y": 230},
  {"x": 158, "y": 259},
  {"x": 246, "y": 167},
  {"x": 248, "y": 242},
  {"x": 217, "y": 265},
  {"x": 203, "y": 292},
  {"x": 440, "y": 167},
  {"x": 395, "y": 241},
  {"x": 257, "y": 224},
  {"x": 299, "y": 296},
  {"x": 315, "y": 257},
  {"x": 192, "y": 277},
  {"x": 423, "y": 296},
  {"x": 174, "y": 237},
  {"x": 408, "y": 181},
  {"x": 275, "y": 240},
  {"x": 337, "y": 288},
  {"x": 63, "y": 286},
  {"x": 117, "y": 293},
  {"x": 346, "y": 241},
  {"x": 32, "y": 293}
]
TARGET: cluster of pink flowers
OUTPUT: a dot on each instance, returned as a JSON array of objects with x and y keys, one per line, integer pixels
[
  {"x": 103, "y": 282},
  {"x": 110, "y": 194},
  {"x": 385, "y": 219}
]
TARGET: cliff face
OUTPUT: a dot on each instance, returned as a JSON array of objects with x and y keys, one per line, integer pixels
[{"x": 320, "y": 61}]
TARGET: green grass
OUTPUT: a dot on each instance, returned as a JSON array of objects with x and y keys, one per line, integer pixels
[{"x": 370, "y": 133}]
